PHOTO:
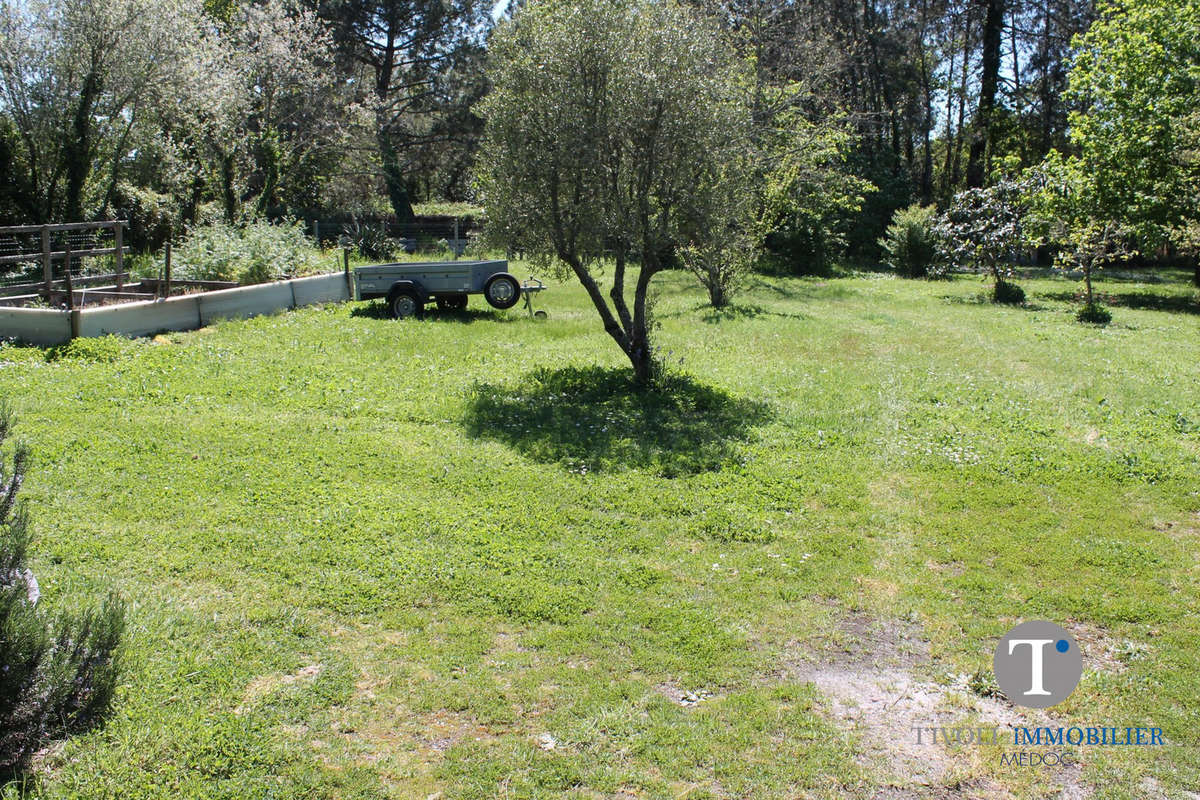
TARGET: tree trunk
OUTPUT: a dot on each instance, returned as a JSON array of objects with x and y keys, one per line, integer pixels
[
  {"x": 989, "y": 82},
  {"x": 642, "y": 359},
  {"x": 270, "y": 158},
  {"x": 716, "y": 292},
  {"x": 948, "y": 137},
  {"x": 927, "y": 123},
  {"x": 228, "y": 195},
  {"x": 393, "y": 178},
  {"x": 187, "y": 214},
  {"x": 77, "y": 150},
  {"x": 956, "y": 167},
  {"x": 640, "y": 352}
]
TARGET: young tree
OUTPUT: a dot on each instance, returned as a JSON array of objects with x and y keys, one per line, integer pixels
[
  {"x": 1137, "y": 72},
  {"x": 57, "y": 675},
  {"x": 717, "y": 232},
  {"x": 1069, "y": 211},
  {"x": 608, "y": 125},
  {"x": 985, "y": 229},
  {"x": 720, "y": 265}
]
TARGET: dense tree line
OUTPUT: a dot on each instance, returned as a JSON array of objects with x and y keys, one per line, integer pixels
[
  {"x": 933, "y": 93},
  {"x": 181, "y": 111}
]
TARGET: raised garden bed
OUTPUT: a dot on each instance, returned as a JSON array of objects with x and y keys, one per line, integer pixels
[{"x": 132, "y": 311}]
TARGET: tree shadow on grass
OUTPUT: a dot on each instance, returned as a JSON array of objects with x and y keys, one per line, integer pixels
[
  {"x": 591, "y": 419},
  {"x": 1143, "y": 301},
  {"x": 466, "y": 316},
  {"x": 985, "y": 299},
  {"x": 731, "y": 313},
  {"x": 811, "y": 289}
]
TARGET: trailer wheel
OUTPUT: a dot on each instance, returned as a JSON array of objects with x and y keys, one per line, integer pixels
[
  {"x": 502, "y": 291},
  {"x": 451, "y": 302},
  {"x": 404, "y": 304}
]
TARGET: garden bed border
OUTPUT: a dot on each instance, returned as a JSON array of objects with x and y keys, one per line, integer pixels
[{"x": 43, "y": 326}]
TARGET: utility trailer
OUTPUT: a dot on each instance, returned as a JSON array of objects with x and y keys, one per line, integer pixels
[{"x": 409, "y": 287}]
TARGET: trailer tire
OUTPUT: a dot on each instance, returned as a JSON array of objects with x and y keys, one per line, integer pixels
[
  {"x": 405, "y": 303},
  {"x": 502, "y": 291},
  {"x": 451, "y": 302}
]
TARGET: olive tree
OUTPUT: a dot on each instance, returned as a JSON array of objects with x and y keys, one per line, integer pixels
[
  {"x": 717, "y": 240},
  {"x": 76, "y": 77},
  {"x": 609, "y": 129}
]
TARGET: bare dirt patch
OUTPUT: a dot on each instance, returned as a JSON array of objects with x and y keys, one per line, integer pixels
[
  {"x": 442, "y": 730},
  {"x": 865, "y": 672},
  {"x": 688, "y": 699},
  {"x": 1103, "y": 652},
  {"x": 264, "y": 685}
]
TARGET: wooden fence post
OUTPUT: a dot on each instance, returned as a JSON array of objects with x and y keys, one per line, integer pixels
[
  {"x": 346, "y": 270},
  {"x": 71, "y": 310},
  {"x": 47, "y": 267},
  {"x": 67, "y": 275},
  {"x": 119, "y": 256},
  {"x": 167, "y": 271}
]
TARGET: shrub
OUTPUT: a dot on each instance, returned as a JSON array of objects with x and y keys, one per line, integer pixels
[
  {"x": 808, "y": 244},
  {"x": 93, "y": 349},
  {"x": 909, "y": 245},
  {"x": 720, "y": 266},
  {"x": 1094, "y": 314},
  {"x": 57, "y": 674},
  {"x": 983, "y": 228},
  {"x": 151, "y": 215},
  {"x": 255, "y": 252},
  {"x": 1008, "y": 293},
  {"x": 369, "y": 241}
]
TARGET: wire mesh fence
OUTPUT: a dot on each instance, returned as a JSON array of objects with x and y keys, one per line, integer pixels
[
  {"x": 49, "y": 264},
  {"x": 426, "y": 234}
]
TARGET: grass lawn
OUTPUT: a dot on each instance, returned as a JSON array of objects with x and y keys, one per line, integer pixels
[{"x": 377, "y": 559}]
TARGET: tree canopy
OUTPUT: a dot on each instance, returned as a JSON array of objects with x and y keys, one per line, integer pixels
[
  {"x": 611, "y": 129},
  {"x": 1135, "y": 76}
]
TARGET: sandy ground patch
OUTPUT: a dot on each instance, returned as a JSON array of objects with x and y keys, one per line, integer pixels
[{"x": 866, "y": 674}]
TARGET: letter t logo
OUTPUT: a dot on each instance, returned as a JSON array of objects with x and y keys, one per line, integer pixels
[{"x": 1036, "y": 649}]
